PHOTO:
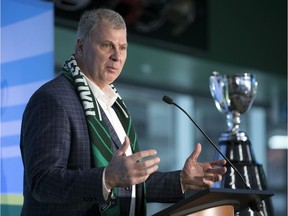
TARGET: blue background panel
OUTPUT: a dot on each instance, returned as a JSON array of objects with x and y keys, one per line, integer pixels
[
  {"x": 27, "y": 70},
  {"x": 12, "y": 175},
  {"x": 27, "y": 51},
  {"x": 21, "y": 10}
]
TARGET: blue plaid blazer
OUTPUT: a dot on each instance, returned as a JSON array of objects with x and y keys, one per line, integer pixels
[{"x": 59, "y": 178}]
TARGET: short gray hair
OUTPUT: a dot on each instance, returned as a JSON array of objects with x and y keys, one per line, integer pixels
[{"x": 92, "y": 18}]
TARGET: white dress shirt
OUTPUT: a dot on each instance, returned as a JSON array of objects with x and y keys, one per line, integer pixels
[{"x": 106, "y": 99}]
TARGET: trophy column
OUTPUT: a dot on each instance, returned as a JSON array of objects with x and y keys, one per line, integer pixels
[{"x": 233, "y": 96}]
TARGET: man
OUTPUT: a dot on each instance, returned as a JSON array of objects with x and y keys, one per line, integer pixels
[{"x": 78, "y": 144}]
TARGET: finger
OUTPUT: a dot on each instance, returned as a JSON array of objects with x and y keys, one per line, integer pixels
[
  {"x": 217, "y": 178},
  {"x": 124, "y": 147},
  {"x": 147, "y": 163},
  {"x": 218, "y": 163},
  {"x": 216, "y": 171},
  {"x": 139, "y": 156},
  {"x": 196, "y": 152},
  {"x": 199, "y": 183},
  {"x": 139, "y": 175},
  {"x": 208, "y": 183},
  {"x": 146, "y": 172},
  {"x": 214, "y": 174},
  {"x": 213, "y": 177}
]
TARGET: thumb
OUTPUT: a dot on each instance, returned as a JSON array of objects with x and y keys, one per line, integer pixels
[
  {"x": 196, "y": 152},
  {"x": 124, "y": 147}
]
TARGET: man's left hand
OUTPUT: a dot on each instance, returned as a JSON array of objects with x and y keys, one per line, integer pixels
[{"x": 197, "y": 176}]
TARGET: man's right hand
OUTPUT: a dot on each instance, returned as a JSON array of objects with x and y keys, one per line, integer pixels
[{"x": 124, "y": 171}]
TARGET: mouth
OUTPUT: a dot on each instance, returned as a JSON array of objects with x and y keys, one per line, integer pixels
[{"x": 112, "y": 69}]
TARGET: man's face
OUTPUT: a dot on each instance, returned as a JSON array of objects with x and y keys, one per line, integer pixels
[{"x": 103, "y": 56}]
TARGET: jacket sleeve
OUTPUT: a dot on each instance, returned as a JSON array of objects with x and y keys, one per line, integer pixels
[
  {"x": 56, "y": 152},
  {"x": 164, "y": 187}
]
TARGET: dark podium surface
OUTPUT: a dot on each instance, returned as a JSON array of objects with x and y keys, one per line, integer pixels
[{"x": 212, "y": 197}]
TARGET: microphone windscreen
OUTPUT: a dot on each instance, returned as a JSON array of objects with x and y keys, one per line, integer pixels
[{"x": 167, "y": 99}]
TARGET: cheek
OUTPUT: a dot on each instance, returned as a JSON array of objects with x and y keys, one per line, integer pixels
[
  {"x": 124, "y": 60},
  {"x": 95, "y": 59}
]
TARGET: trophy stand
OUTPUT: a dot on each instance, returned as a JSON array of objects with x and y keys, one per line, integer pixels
[{"x": 233, "y": 96}]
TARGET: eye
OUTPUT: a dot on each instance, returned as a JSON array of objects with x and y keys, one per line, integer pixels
[
  {"x": 107, "y": 46},
  {"x": 123, "y": 48}
]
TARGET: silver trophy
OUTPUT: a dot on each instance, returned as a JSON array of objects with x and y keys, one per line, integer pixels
[{"x": 233, "y": 95}]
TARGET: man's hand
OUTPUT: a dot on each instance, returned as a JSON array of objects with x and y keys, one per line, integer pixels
[
  {"x": 124, "y": 171},
  {"x": 195, "y": 175}
]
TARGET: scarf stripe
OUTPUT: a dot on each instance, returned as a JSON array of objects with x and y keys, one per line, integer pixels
[
  {"x": 97, "y": 153},
  {"x": 103, "y": 147}
]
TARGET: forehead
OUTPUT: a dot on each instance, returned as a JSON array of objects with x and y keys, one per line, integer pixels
[{"x": 106, "y": 31}]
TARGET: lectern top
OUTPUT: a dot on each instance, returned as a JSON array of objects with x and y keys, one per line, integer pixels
[{"x": 212, "y": 197}]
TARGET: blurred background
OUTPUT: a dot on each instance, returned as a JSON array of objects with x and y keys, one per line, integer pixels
[{"x": 174, "y": 46}]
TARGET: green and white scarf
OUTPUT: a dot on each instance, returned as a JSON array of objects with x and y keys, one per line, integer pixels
[{"x": 101, "y": 142}]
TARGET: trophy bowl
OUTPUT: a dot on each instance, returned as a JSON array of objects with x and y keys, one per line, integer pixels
[{"x": 233, "y": 95}]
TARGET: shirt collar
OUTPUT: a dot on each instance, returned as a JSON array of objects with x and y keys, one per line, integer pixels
[{"x": 107, "y": 95}]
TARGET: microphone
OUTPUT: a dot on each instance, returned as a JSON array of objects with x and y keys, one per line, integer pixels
[{"x": 255, "y": 206}]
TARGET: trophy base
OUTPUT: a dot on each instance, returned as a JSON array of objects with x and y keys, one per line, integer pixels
[
  {"x": 255, "y": 177},
  {"x": 237, "y": 148},
  {"x": 230, "y": 136}
]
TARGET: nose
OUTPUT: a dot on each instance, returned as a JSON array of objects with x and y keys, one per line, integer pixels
[{"x": 115, "y": 56}]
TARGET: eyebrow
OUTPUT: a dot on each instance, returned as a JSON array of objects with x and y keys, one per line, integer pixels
[{"x": 111, "y": 42}]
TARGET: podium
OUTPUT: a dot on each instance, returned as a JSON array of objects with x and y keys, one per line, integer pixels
[{"x": 215, "y": 202}]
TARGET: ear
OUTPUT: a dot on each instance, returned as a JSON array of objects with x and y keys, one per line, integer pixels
[{"x": 79, "y": 46}]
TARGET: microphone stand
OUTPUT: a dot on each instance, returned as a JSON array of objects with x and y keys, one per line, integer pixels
[{"x": 256, "y": 205}]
